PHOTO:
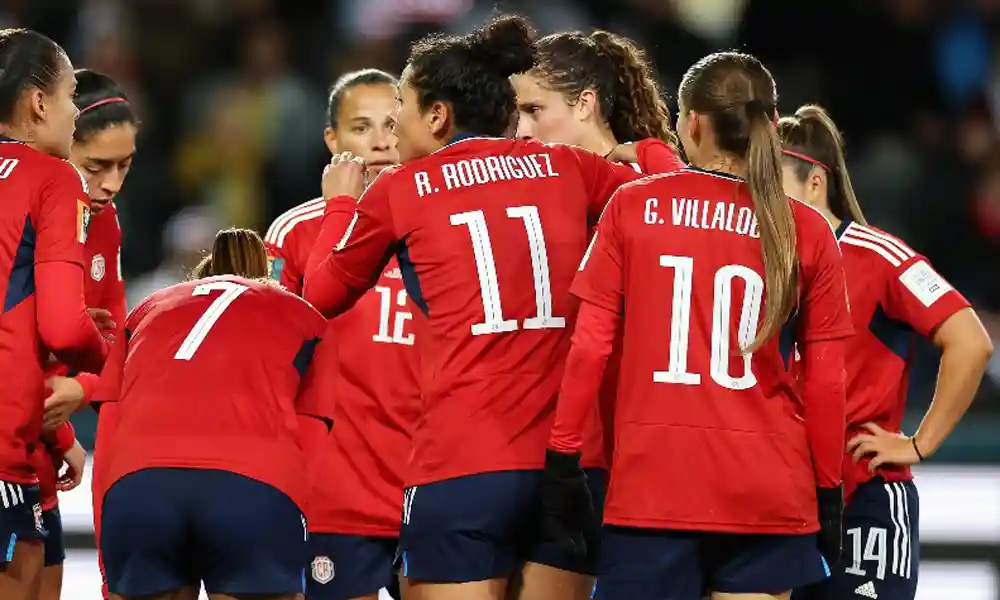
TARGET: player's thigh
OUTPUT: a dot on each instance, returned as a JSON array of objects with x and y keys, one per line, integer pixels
[
  {"x": 468, "y": 529},
  {"x": 22, "y": 538},
  {"x": 764, "y": 565},
  {"x": 143, "y": 544},
  {"x": 722, "y": 596},
  {"x": 345, "y": 567},
  {"x": 187, "y": 593},
  {"x": 649, "y": 564},
  {"x": 542, "y": 582},
  {"x": 881, "y": 553},
  {"x": 490, "y": 589},
  {"x": 570, "y": 574},
  {"x": 50, "y": 586},
  {"x": 256, "y": 597},
  {"x": 248, "y": 537}
]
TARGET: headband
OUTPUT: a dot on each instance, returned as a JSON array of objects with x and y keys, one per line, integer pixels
[
  {"x": 806, "y": 158},
  {"x": 115, "y": 100}
]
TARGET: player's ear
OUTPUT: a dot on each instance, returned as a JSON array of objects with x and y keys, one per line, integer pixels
[
  {"x": 35, "y": 103},
  {"x": 438, "y": 119},
  {"x": 696, "y": 126},
  {"x": 817, "y": 181},
  {"x": 587, "y": 105},
  {"x": 330, "y": 137}
]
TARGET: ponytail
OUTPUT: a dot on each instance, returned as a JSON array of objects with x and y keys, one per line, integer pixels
[
  {"x": 640, "y": 108},
  {"x": 235, "y": 251},
  {"x": 775, "y": 221},
  {"x": 812, "y": 138}
]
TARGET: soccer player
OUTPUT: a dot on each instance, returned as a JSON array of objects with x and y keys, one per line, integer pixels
[
  {"x": 359, "y": 120},
  {"x": 715, "y": 476},
  {"x": 43, "y": 226},
  {"x": 598, "y": 92},
  {"x": 895, "y": 295},
  {"x": 488, "y": 232},
  {"x": 214, "y": 430},
  {"x": 371, "y": 372},
  {"x": 103, "y": 148}
]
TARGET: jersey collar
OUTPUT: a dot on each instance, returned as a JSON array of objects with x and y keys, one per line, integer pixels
[
  {"x": 842, "y": 228},
  {"x": 9, "y": 140},
  {"x": 721, "y": 174}
]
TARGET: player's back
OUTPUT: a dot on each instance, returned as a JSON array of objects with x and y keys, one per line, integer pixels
[
  {"x": 491, "y": 233},
  {"x": 719, "y": 425},
  {"x": 211, "y": 379}
]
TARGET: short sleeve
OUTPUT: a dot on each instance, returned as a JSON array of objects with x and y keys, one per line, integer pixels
[
  {"x": 823, "y": 311},
  {"x": 63, "y": 218},
  {"x": 369, "y": 240},
  {"x": 601, "y": 178},
  {"x": 919, "y": 296},
  {"x": 601, "y": 277},
  {"x": 282, "y": 270}
]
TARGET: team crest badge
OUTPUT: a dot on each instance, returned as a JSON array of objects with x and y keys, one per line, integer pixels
[
  {"x": 97, "y": 267},
  {"x": 39, "y": 524},
  {"x": 322, "y": 569}
]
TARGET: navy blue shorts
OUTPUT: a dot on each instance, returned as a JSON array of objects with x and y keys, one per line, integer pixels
[
  {"x": 484, "y": 526},
  {"x": 688, "y": 565},
  {"x": 881, "y": 555},
  {"x": 349, "y": 566},
  {"x": 164, "y": 529},
  {"x": 20, "y": 517},
  {"x": 55, "y": 545}
]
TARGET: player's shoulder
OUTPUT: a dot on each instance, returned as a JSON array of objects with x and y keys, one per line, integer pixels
[
  {"x": 875, "y": 245},
  {"x": 292, "y": 219},
  {"x": 41, "y": 168},
  {"x": 663, "y": 183},
  {"x": 808, "y": 220}
]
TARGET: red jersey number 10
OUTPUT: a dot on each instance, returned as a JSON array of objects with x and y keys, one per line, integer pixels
[
  {"x": 680, "y": 324},
  {"x": 489, "y": 287},
  {"x": 230, "y": 292}
]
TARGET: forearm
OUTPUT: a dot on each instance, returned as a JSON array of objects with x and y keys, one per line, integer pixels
[
  {"x": 63, "y": 323},
  {"x": 959, "y": 376}
]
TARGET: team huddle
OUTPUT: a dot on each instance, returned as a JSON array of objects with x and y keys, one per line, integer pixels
[{"x": 532, "y": 342}]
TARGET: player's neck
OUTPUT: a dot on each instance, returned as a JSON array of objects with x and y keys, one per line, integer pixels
[
  {"x": 16, "y": 134},
  {"x": 599, "y": 140},
  {"x": 723, "y": 164}
]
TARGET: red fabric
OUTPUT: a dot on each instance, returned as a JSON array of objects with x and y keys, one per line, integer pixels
[
  {"x": 690, "y": 406},
  {"x": 593, "y": 341},
  {"x": 289, "y": 240},
  {"x": 824, "y": 407},
  {"x": 229, "y": 399},
  {"x": 887, "y": 282},
  {"x": 43, "y": 220},
  {"x": 655, "y": 156},
  {"x": 491, "y": 368}
]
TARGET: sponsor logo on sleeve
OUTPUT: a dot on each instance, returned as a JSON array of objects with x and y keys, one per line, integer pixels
[
  {"x": 82, "y": 221},
  {"x": 97, "y": 267},
  {"x": 924, "y": 283}
]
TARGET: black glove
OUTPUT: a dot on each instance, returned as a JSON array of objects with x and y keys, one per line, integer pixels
[
  {"x": 568, "y": 515},
  {"x": 831, "y": 522}
]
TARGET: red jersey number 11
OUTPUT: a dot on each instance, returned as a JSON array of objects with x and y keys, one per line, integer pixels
[{"x": 489, "y": 287}]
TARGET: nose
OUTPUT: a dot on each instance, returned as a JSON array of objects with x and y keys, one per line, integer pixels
[
  {"x": 112, "y": 183},
  {"x": 524, "y": 129}
]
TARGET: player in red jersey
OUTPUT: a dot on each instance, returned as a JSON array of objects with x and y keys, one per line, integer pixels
[
  {"x": 895, "y": 296},
  {"x": 717, "y": 462},
  {"x": 598, "y": 92},
  {"x": 43, "y": 226},
  {"x": 488, "y": 233},
  {"x": 595, "y": 91},
  {"x": 358, "y": 482},
  {"x": 359, "y": 120},
  {"x": 103, "y": 148},
  {"x": 205, "y": 468}
]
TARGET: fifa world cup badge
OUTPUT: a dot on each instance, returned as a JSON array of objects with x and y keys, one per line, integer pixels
[{"x": 322, "y": 569}]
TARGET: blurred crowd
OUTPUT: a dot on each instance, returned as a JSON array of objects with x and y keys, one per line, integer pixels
[{"x": 232, "y": 95}]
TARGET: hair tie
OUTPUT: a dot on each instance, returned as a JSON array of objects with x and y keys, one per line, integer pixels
[
  {"x": 807, "y": 158},
  {"x": 99, "y": 103}
]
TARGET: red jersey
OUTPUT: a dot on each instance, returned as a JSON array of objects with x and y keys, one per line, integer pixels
[
  {"x": 371, "y": 371},
  {"x": 211, "y": 380},
  {"x": 895, "y": 295},
  {"x": 488, "y": 234},
  {"x": 43, "y": 218},
  {"x": 290, "y": 239},
  {"x": 104, "y": 288},
  {"x": 706, "y": 438}
]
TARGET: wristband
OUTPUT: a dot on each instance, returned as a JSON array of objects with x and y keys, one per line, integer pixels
[{"x": 916, "y": 449}]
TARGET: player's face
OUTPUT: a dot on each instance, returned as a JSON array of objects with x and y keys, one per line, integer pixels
[
  {"x": 419, "y": 130},
  {"x": 544, "y": 114},
  {"x": 364, "y": 126},
  {"x": 56, "y": 113},
  {"x": 105, "y": 159}
]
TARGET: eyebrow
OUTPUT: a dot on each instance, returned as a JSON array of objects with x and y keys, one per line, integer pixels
[{"x": 107, "y": 162}]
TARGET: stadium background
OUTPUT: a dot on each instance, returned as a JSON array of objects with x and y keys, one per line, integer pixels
[{"x": 232, "y": 95}]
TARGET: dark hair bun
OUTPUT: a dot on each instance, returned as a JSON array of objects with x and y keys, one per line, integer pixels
[
  {"x": 92, "y": 86},
  {"x": 505, "y": 45}
]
